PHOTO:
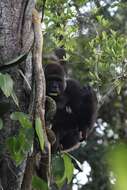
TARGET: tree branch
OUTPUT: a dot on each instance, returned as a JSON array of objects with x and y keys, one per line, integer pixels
[
  {"x": 38, "y": 110},
  {"x": 40, "y": 90}
]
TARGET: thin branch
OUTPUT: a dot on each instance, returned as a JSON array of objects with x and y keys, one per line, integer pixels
[
  {"x": 40, "y": 88},
  {"x": 25, "y": 79},
  {"x": 112, "y": 88}
]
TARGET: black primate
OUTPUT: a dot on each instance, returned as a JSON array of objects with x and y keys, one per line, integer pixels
[{"x": 75, "y": 107}]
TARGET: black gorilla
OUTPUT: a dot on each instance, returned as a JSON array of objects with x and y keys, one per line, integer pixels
[{"x": 75, "y": 107}]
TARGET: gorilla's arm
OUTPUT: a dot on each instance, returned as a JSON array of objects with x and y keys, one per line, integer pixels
[{"x": 83, "y": 103}]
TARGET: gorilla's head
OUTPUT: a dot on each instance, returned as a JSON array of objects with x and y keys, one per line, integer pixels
[{"x": 55, "y": 80}]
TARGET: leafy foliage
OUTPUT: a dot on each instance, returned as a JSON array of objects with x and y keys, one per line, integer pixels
[
  {"x": 39, "y": 131},
  {"x": 58, "y": 169},
  {"x": 38, "y": 183},
  {"x": 20, "y": 144},
  {"x": 69, "y": 167},
  {"x": 6, "y": 85},
  {"x": 62, "y": 168},
  {"x": 107, "y": 54},
  {"x": 94, "y": 35}
]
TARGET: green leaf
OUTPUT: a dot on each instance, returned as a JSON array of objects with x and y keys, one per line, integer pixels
[
  {"x": 14, "y": 97},
  {"x": 69, "y": 167},
  {"x": 6, "y": 84},
  {"x": 19, "y": 145},
  {"x": 58, "y": 170},
  {"x": 1, "y": 124},
  {"x": 76, "y": 163},
  {"x": 119, "y": 84},
  {"x": 29, "y": 135},
  {"x": 15, "y": 147},
  {"x": 58, "y": 166},
  {"x": 22, "y": 118},
  {"x": 11, "y": 144},
  {"x": 39, "y": 184},
  {"x": 39, "y": 131}
]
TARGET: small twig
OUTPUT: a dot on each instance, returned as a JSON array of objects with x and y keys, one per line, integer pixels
[
  {"x": 109, "y": 92},
  {"x": 104, "y": 98},
  {"x": 25, "y": 79}
]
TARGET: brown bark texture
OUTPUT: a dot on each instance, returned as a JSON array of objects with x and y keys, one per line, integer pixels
[{"x": 16, "y": 38}]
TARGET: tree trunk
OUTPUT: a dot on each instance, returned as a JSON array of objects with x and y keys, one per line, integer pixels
[{"x": 16, "y": 37}]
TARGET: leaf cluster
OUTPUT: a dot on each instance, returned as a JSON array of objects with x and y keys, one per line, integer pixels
[{"x": 21, "y": 144}]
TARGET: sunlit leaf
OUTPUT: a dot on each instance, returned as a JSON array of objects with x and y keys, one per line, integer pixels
[
  {"x": 69, "y": 167},
  {"x": 76, "y": 163},
  {"x": 39, "y": 131}
]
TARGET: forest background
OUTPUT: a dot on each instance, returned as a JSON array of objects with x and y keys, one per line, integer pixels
[{"x": 94, "y": 36}]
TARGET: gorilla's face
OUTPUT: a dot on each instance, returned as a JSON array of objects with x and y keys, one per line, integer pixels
[
  {"x": 55, "y": 80},
  {"x": 54, "y": 86}
]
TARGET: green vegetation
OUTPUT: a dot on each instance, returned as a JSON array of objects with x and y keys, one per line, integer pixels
[{"x": 94, "y": 36}]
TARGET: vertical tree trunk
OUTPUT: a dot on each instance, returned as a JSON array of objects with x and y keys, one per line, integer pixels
[{"x": 16, "y": 37}]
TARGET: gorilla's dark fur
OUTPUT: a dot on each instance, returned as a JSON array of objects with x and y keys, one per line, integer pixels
[{"x": 75, "y": 107}]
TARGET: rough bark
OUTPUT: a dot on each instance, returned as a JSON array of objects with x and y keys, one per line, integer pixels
[
  {"x": 38, "y": 108},
  {"x": 16, "y": 36}
]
